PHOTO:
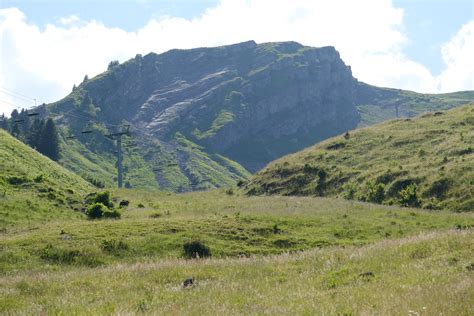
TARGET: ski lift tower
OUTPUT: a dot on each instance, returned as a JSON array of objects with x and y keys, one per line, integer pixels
[{"x": 118, "y": 136}]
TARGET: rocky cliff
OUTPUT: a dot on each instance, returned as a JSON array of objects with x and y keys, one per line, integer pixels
[{"x": 205, "y": 117}]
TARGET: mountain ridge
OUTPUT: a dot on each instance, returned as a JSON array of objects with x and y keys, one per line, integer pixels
[{"x": 249, "y": 103}]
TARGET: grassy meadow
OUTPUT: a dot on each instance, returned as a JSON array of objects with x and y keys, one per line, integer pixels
[
  {"x": 268, "y": 254},
  {"x": 275, "y": 255}
]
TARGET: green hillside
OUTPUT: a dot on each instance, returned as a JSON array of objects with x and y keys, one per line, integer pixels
[
  {"x": 425, "y": 162},
  {"x": 34, "y": 188},
  {"x": 264, "y": 251},
  {"x": 376, "y": 104}
]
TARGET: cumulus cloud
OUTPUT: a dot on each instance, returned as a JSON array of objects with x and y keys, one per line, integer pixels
[
  {"x": 458, "y": 56},
  {"x": 45, "y": 62}
]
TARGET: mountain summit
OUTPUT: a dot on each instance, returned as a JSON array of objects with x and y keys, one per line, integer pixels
[{"x": 203, "y": 117}]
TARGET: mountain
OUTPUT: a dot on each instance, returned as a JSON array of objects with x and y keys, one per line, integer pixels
[
  {"x": 426, "y": 162},
  {"x": 33, "y": 187},
  {"x": 207, "y": 117}
]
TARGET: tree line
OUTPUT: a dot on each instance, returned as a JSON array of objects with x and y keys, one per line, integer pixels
[{"x": 40, "y": 134}]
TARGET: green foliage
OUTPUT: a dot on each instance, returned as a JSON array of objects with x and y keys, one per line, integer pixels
[
  {"x": 104, "y": 198},
  {"x": 375, "y": 192},
  {"x": 195, "y": 249},
  {"x": 409, "y": 196},
  {"x": 100, "y": 205},
  {"x": 350, "y": 189},
  {"x": 112, "y": 213},
  {"x": 48, "y": 143},
  {"x": 96, "y": 210}
]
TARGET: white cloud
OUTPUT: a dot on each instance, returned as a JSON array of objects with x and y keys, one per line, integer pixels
[
  {"x": 46, "y": 62},
  {"x": 458, "y": 55},
  {"x": 69, "y": 20}
]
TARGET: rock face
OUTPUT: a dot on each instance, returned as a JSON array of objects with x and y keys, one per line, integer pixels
[
  {"x": 199, "y": 115},
  {"x": 250, "y": 103}
]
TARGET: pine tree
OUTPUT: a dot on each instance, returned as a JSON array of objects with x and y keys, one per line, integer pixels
[
  {"x": 25, "y": 125},
  {"x": 14, "y": 129},
  {"x": 35, "y": 133},
  {"x": 49, "y": 141},
  {"x": 4, "y": 122}
]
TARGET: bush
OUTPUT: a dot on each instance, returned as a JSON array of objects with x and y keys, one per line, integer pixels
[
  {"x": 112, "y": 213},
  {"x": 14, "y": 180},
  {"x": 96, "y": 210},
  {"x": 196, "y": 249},
  {"x": 350, "y": 189},
  {"x": 375, "y": 192},
  {"x": 409, "y": 196},
  {"x": 104, "y": 198}
]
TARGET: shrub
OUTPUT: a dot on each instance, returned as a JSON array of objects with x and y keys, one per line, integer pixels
[
  {"x": 196, "y": 249},
  {"x": 111, "y": 213},
  {"x": 409, "y": 196},
  {"x": 96, "y": 210},
  {"x": 14, "y": 180},
  {"x": 104, "y": 198},
  {"x": 321, "y": 182},
  {"x": 229, "y": 191},
  {"x": 140, "y": 205},
  {"x": 350, "y": 189},
  {"x": 375, "y": 192}
]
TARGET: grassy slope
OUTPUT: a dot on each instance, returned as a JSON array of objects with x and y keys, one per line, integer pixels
[
  {"x": 33, "y": 188},
  {"x": 133, "y": 265},
  {"x": 434, "y": 151},
  {"x": 229, "y": 225},
  {"x": 382, "y": 107},
  {"x": 101, "y": 165}
]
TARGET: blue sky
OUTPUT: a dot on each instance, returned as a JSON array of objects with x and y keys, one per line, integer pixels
[{"x": 419, "y": 46}]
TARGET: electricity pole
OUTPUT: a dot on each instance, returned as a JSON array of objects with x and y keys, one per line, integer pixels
[{"x": 118, "y": 137}]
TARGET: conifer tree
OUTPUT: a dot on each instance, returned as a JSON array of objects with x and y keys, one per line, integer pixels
[
  {"x": 25, "y": 125},
  {"x": 4, "y": 122},
  {"x": 49, "y": 141},
  {"x": 35, "y": 133}
]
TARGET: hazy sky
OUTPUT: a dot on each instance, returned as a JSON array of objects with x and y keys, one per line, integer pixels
[{"x": 48, "y": 46}]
